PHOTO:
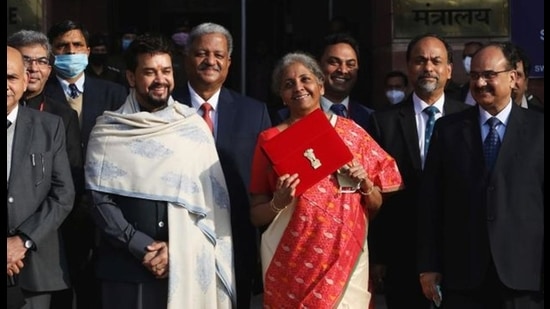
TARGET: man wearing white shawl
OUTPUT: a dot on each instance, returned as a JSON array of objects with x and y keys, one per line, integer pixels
[{"x": 159, "y": 196}]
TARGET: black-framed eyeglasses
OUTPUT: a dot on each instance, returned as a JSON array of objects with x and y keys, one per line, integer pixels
[
  {"x": 41, "y": 61},
  {"x": 486, "y": 75}
]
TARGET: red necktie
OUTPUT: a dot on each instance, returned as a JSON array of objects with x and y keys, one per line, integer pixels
[{"x": 206, "y": 108}]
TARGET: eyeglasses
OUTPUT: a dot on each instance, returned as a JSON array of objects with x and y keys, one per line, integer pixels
[
  {"x": 42, "y": 61},
  {"x": 486, "y": 75}
]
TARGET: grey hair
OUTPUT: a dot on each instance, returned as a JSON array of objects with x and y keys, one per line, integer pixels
[
  {"x": 24, "y": 38},
  {"x": 303, "y": 58},
  {"x": 208, "y": 28}
]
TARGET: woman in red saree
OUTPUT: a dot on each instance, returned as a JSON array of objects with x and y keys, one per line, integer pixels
[{"x": 314, "y": 250}]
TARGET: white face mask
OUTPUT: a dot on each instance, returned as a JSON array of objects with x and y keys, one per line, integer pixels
[
  {"x": 395, "y": 96},
  {"x": 467, "y": 62}
]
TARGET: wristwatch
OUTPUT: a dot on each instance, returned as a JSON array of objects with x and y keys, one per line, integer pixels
[{"x": 27, "y": 242}]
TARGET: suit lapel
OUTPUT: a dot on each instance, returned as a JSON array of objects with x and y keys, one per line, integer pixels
[
  {"x": 407, "y": 122},
  {"x": 54, "y": 90},
  {"x": 22, "y": 138},
  {"x": 471, "y": 134},
  {"x": 513, "y": 137},
  {"x": 182, "y": 95},
  {"x": 227, "y": 113}
]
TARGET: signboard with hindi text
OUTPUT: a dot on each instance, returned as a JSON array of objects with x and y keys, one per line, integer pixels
[{"x": 451, "y": 19}]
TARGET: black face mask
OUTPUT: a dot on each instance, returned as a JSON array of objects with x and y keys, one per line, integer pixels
[{"x": 98, "y": 59}]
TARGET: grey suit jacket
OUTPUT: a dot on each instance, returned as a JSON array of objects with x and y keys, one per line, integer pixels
[{"x": 40, "y": 196}]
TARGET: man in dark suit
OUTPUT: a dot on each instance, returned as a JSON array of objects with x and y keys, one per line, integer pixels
[
  {"x": 481, "y": 213},
  {"x": 339, "y": 60},
  {"x": 36, "y": 50},
  {"x": 40, "y": 193},
  {"x": 401, "y": 131},
  {"x": 237, "y": 121},
  {"x": 90, "y": 97}
]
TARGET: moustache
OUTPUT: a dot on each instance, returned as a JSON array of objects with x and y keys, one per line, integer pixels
[
  {"x": 204, "y": 66},
  {"x": 157, "y": 85},
  {"x": 485, "y": 88},
  {"x": 340, "y": 75},
  {"x": 428, "y": 76}
]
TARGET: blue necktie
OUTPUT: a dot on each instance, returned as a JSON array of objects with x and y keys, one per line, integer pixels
[
  {"x": 431, "y": 111},
  {"x": 74, "y": 91},
  {"x": 338, "y": 109},
  {"x": 9, "y": 123},
  {"x": 491, "y": 145}
]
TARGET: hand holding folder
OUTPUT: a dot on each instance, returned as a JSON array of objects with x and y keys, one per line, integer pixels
[{"x": 310, "y": 147}]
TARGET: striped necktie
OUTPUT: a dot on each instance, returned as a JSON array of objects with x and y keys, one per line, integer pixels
[
  {"x": 431, "y": 111},
  {"x": 74, "y": 91}
]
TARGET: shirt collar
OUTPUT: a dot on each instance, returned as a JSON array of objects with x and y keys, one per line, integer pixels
[
  {"x": 65, "y": 84},
  {"x": 503, "y": 115},
  {"x": 420, "y": 105},
  {"x": 13, "y": 115},
  {"x": 196, "y": 100},
  {"x": 326, "y": 103}
]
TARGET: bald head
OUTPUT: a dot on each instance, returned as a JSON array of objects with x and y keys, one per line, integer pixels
[{"x": 17, "y": 78}]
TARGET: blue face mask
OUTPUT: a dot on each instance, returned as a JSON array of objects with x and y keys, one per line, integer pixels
[
  {"x": 69, "y": 66},
  {"x": 126, "y": 43}
]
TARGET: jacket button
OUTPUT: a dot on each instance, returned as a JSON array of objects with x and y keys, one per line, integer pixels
[
  {"x": 10, "y": 199},
  {"x": 161, "y": 224}
]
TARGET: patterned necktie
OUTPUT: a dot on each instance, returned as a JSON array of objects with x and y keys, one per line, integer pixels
[
  {"x": 206, "y": 108},
  {"x": 74, "y": 91},
  {"x": 431, "y": 111},
  {"x": 9, "y": 123},
  {"x": 491, "y": 145},
  {"x": 338, "y": 109}
]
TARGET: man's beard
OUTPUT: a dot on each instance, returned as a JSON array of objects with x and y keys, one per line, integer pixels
[
  {"x": 427, "y": 86},
  {"x": 157, "y": 102}
]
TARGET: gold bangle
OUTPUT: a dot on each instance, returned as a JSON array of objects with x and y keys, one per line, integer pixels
[
  {"x": 369, "y": 191},
  {"x": 275, "y": 208}
]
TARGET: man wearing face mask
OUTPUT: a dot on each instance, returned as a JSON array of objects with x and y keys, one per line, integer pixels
[
  {"x": 116, "y": 59},
  {"x": 90, "y": 97},
  {"x": 98, "y": 65},
  {"x": 395, "y": 86},
  {"x": 179, "y": 39}
]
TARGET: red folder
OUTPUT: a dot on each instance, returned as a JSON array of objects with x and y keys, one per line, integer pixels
[{"x": 310, "y": 147}]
